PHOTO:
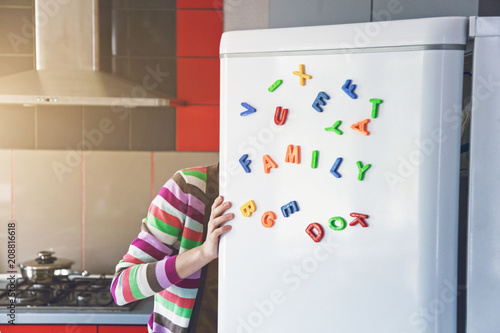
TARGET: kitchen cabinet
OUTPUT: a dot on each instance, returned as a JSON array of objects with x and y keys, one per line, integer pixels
[
  {"x": 122, "y": 329},
  {"x": 50, "y": 329}
]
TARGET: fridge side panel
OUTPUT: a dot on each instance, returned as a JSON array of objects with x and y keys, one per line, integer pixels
[{"x": 483, "y": 288}]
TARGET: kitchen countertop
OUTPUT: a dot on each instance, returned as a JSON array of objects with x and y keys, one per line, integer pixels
[{"x": 138, "y": 315}]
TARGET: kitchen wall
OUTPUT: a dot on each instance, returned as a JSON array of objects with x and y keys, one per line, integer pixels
[
  {"x": 258, "y": 14},
  {"x": 87, "y": 205}
]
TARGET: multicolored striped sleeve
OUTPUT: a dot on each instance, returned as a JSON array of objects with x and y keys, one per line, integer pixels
[{"x": 149, "y": 265}]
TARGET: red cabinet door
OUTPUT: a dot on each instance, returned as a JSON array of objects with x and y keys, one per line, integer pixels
[
  {"x": 122, "y": 329},
  {"x": 48, "y": 328}
]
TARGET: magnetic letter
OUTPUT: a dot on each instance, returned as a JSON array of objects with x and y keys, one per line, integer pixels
[
  {"x": 268, "y": 163},
  {"x": 319, "y": 231},
  {"x": 335, "y": 166},
  {"x": 336, "y": 227},
  {"x": 362, "y": 169},
  {"x": 275, "y": 85},
  {"x": 348, "y": 88},
  {"x": 245, "y": 163},
  {"x": 268, "y": 219},
  {"x": 375, "y": 104},
  {"x": 334, "y": 128},
  {"x": 319, "y": 101},
  {"x": 314, "y": 160},
  {"x": 359, "y": 218},
  {"x": 248, "y": 208},
  {"x": 279, "y": 116},
  {"x": 303, "y": 76},
  {"x": 361, "y": 126},
  {"x": 292, "y": 154},
  {"x": 250, "y": 109},
  {"x": 289, "y": 208}
]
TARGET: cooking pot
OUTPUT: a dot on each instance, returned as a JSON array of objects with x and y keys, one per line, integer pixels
[{"x": 44, "y": 268}]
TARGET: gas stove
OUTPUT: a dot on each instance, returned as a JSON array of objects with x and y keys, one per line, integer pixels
[{"x": 89, "y": 293}]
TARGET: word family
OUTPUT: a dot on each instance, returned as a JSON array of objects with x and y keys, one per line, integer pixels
[{"x": 293, "y": 156}]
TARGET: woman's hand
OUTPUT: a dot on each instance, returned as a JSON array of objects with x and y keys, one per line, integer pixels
[
  {"x": 215, "y": 228},
  {"x": 192, "y": 260}
]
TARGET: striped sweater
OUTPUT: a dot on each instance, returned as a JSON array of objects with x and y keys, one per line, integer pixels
[{"x": 175, "y": 223}]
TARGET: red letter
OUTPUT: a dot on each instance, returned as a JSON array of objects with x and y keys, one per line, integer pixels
[
  {"x": 319, "y": 231},
  {"x": 359, "y": 218},
  {"x": 280, "y": 117}
]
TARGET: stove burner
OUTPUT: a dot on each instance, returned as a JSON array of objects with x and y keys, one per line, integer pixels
[
  {"x": 96, "y": 286},
  {"x": 83, "y": 298},
  {"x": 90, "y": 293},
  {"x": 37, "y": 294},
  {"x": 104, "y": 298},
  {"x": 28, "y": 297}
]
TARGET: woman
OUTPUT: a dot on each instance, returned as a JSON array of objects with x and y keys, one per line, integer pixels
[{"x": 173, "y": 256}]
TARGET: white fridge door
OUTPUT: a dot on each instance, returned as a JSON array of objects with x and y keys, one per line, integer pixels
[
  {"x": 483, "y": 279},
  {"x": 367, "y": 151}
]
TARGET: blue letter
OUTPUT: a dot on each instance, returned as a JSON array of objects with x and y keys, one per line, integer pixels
[
  {"x": 244, "y": 163},
  {"x": 289, "y": 208},
  {"x": 318, "y": 102}
]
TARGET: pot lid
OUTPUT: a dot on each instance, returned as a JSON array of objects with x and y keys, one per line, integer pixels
[{"x": 46, "y": 260}]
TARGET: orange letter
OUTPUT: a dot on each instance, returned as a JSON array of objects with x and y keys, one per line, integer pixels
[
  {"x": 268, "y": 219},
  {"x": 248, "y": 208},
  {"x": 292, "y": 154},
  {"x": 361, "y": 126},
  {"x": 268, "y": 163}
]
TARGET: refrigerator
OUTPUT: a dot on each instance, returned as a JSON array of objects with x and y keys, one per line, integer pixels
[{"x": 340, "y": 154}]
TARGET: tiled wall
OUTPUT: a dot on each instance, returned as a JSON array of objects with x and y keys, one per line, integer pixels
[
  {"x": 199, "y": 28},
  {"x": 86, "y": 207},
  {"x": 136, "y": 37}
]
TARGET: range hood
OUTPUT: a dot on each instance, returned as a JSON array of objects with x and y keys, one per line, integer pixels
[{"x": 67, "y": 64}]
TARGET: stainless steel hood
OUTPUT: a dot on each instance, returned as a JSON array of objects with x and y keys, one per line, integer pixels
[{"x": 67, "y": 64}]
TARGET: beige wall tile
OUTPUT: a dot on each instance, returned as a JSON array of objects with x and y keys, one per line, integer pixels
[
  {"x": 167, "y": 163},
  {"x": 59, "y": 127},
  {"x": 48, "y": 204},
  {"x": 16, "y": 2},
  {"x": 117, "y": 194},
  {"x": 5, "y": 204},
  {"x": 14, "y": 64},
  {"x": 17, "y": 127},
  {"x": 17, "y": 33}
]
